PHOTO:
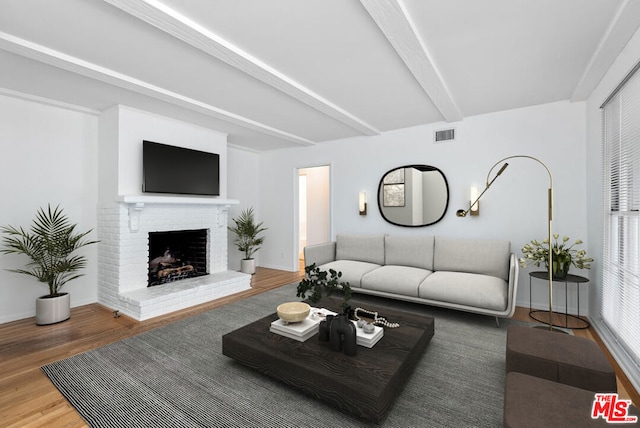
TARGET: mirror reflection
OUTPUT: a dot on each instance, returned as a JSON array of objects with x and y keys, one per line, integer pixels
[{"x": 413, "y": 195}]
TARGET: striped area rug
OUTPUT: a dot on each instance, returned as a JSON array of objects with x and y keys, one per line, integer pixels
[{"x": 176, "y": 376}]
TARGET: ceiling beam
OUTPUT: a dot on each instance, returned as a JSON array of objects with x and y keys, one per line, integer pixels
[
  {"x": 396, "y": 24},
  {"x": 61, "y": 60},
  {"x": 48, "y": 101},
  {"x": 623, "y": 26},
  {"x": 179, "y": 26}
]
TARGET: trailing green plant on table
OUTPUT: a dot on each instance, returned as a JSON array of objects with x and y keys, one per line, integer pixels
[
  {"x": 319, "y": 282},
  {"x": 564, "y": 255}
]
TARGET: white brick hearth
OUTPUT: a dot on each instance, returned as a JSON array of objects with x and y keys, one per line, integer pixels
[{"x": 123, "y": 229}]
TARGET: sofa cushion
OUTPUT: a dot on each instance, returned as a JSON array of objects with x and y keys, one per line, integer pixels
[
  {"x": 478, "y": 291},
  {"x": 414, "y": 251},
  {"x": 395, "y": 279},
  {"x": 481, "y": 256},
  {"x": 361, "y": 248},
  {"x": 352, "y": 271},
  {"x": 319, "y": 253}
]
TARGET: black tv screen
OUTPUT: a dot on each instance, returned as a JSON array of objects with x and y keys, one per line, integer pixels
[{"x": 170, "y": 169}]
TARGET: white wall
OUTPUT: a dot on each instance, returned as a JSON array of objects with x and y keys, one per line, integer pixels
[
  {"x": 244, "y": 185},
  {"x": 49, "y": 156},
  {"x": 515, "y": 208},
  {"x": 61, "y": 148},
  {"x": 130, "y": 127},
  {"x": 56, "y": 157}
]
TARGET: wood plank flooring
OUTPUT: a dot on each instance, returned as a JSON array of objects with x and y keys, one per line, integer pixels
[{"x": 27, "y": 397}]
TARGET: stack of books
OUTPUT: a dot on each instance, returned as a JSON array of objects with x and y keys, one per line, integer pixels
[
  {"x": 368, "y": 339},
  {"x": 301, "y": 331}
]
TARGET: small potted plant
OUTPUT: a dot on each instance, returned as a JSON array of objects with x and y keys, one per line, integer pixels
[
  {"x": 563, "y": 255},
  {"x": 247, "y": 239},
  {"x": 319, "y": 282},
  {"x": 49, "y": 244}
]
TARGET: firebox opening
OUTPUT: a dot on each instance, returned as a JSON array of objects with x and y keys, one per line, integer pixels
[{"x": 176, "y": 255}]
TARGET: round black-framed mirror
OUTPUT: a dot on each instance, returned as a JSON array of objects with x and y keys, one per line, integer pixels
[{"x": 413, "y": 195}]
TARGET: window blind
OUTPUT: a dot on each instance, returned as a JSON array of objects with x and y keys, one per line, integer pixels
[{"x": 620, "y": 292}]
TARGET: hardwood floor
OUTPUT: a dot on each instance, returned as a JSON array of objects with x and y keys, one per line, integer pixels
[{"x": 27, "y": 397}]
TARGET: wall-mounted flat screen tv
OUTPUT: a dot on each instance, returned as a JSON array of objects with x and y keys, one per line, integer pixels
[{"x": 170, "y": 169}]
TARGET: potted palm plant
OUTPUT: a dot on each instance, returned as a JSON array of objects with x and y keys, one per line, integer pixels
[
  {"x": 49, "y": 244},
  {"x": 247, "y": 239}
]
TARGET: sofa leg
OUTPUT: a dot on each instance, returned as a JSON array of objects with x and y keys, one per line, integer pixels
[{"x": 497, "y": 322}]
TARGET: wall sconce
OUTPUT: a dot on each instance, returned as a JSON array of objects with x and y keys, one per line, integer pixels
[
  {"x": 473, "y": 196},
  {"x": 362, "y": 203}
]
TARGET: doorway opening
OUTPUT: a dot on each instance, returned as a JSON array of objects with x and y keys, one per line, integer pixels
[{"x": 314, "y": 207}]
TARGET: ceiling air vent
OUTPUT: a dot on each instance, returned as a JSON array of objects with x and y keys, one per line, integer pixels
[{"x": 444, "y": 135}]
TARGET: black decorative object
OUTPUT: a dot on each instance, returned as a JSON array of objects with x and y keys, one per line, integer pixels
[
  {"x": 323, "y": 329},
  {"x": 342, "y": 335}
]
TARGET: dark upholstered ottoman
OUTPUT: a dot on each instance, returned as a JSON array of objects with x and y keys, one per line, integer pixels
[
  {"x": 533, "y": 402},
  {"x": 559, "y": 357}
]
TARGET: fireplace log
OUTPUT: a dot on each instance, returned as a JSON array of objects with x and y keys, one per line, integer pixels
[
  {"x": 167, "y": 258},
  {"x": 170, "y": 271}
]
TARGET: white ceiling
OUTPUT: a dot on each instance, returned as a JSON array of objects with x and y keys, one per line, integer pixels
[{"x": 283, "y": 73}]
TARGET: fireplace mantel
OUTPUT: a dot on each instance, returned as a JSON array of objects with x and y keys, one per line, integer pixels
[
  {"x": 186, "y": 200},
  {"x": 136, "y": 203}
]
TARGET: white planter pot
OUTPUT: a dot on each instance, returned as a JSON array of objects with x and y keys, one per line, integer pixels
[
  {"x": 248, "y": 266},
  {"x": 51, "y": 310}
]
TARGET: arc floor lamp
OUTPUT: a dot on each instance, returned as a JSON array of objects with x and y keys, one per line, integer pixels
[{"x": 463, "y": 213}]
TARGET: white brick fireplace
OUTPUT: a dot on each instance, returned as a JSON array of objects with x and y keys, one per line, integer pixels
[{"x": 123, "y": 228}]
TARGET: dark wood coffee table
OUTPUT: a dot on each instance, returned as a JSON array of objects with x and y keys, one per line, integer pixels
[{"x": 365, "y": 385}]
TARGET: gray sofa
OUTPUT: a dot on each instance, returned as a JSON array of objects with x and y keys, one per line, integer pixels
[{"x": 473, "y": 275}]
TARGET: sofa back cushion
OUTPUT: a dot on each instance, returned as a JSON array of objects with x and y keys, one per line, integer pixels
[
  {"x": 414, "y": 251},
  {"x": 361, "y": 248},
  {"x": 482, "y": 256}
]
